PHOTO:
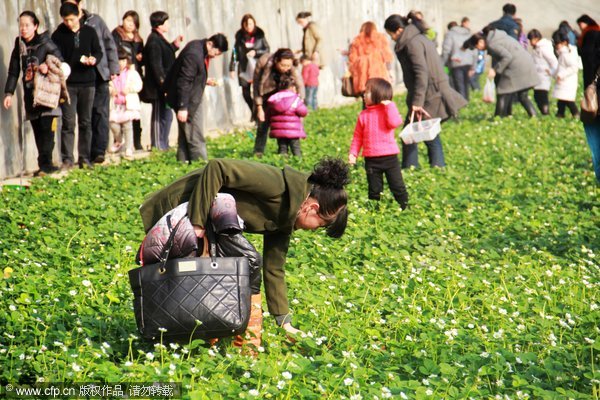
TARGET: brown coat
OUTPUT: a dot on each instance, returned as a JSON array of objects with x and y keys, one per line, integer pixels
[
  {"x": 264, "y": 80},
  {"x": 426, "y": 82},
  {"x": 313, "y": 42},
  {"x": 369, "y": 58}
]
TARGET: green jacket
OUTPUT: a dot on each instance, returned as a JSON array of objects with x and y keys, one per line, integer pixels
[{"x": 267, "y": 198}]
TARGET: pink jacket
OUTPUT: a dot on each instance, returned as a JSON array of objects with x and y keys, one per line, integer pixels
[
  {"x": 310, "y": 74},
  {"x": 285, "y": 110},
  {"x": 374, "y": 132}
]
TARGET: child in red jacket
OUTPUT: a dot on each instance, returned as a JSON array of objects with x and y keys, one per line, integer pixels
[
  {"x": 285, "y": 110},
  {"x": 374, "y": 134}
]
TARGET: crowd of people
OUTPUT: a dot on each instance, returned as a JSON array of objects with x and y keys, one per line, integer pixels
[
  {"x": 108, "y": 74},
  {"x": 95, "y": 79}
]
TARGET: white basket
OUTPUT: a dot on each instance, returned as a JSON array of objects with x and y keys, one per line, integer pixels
[{"x": 421, "y": 131}]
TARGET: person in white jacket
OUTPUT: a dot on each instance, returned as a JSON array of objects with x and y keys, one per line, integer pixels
[
  {"x": 567, "y": 75},
  {"x": 545, "y": 64},
  {"x": 124, "y": 105}
]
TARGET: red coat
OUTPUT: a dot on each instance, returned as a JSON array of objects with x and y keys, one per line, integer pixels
[
  {"x": 285, "y": 110},
  {"x": 369, "y": 58}
]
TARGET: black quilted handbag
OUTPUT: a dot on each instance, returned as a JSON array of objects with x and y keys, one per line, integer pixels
[{"x": 189, "y": 298}]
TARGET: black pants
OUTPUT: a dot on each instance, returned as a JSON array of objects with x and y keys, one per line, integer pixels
[
  {"x": 78, "y": 111},
  {"x": 247, "y": 93},
  {"x": 541, "y": 99},
  {"x": 460, "y": 77},
  {"x": 260, "y": 142},
  {"x": 292, "y": 144},
  {"x": 390, "y": 166},
  {"x": 137, "y": 134},
  {"x": 44, "y": 141},
  {"x": 562, "y": 104},
  {"x": 100, "y": 124},
  {"x": 504, "y": 103}
]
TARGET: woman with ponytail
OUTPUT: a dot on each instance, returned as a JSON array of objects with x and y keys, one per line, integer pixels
[
  {"x": 273, "y": 202},
  {"x": 429, "y": 92}
]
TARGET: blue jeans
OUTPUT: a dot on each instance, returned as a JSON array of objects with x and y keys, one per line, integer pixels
[
  {"x": 311, "y": 96},
  {"x": 592, "y": 131},
  {"x": 410, "y": 154}
]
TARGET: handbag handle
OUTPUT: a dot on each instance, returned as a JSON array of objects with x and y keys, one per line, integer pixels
[{"x": 164, "y": 255}]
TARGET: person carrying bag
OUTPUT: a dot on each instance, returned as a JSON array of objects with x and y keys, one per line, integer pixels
[{"x": 185, "y": 291}]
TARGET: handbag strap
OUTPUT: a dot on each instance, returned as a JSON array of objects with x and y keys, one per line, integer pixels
[
  {"x": 209, "y": 235},
  {"x": 164, "y": 255}
]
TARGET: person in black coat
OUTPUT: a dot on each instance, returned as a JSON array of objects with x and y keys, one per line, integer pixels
[
  {"x": 589, "y": 50},
  {"x": 80, "y": 46},
  {"x": 250, "y": 44},
  {"x": 184, "y": 87},
  {"x": 159, "y": 56},
  {"x": 29, "y": 55},
  {"x": 127, "y": 37}
]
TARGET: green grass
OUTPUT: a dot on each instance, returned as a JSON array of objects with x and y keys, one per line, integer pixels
[{"x": 486, "y": 287}]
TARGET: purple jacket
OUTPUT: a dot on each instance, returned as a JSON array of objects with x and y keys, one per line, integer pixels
[{"x": 285, "y": 110}]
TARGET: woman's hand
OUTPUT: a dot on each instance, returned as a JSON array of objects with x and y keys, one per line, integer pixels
[
  {"x": 178, "y": 40},
  {"x": 351, "y": 159},
  {"x": 251, "y": 54},
  {"x": 420, "y": 111},
  {"x": 7, "y": 101},
  {"x": 260, "y": 114},
  {"x": 43, "y": 68},
  {"x": 139, "y": 57},
  {"x": 492, "y": 73}
]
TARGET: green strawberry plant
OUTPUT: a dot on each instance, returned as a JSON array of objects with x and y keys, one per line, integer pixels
[{"x": 486, "y": 287}]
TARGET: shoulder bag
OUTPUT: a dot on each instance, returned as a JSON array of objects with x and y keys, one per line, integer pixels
[
  {"x": 589, "y": 102},
  {"x": 188, "y": 298}
]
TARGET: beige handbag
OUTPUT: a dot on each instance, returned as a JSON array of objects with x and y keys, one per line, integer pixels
[{"x": 589, "y": 102}]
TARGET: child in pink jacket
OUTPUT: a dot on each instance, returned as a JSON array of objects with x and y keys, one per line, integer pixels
[
  {"x": 374, "y": 134},
  {"x": 285, "y": 110}
]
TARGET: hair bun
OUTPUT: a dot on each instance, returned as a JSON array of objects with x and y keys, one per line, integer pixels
[{"x": 331, "y": 172}]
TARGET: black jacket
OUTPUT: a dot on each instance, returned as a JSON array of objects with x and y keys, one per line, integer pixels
[
  {"x": 186, "y": 80},
  {"x": 159, "y": 56},
  {"x": 239, "y": 56},
  {"x": 72, "y": 46},
  {"x": 132, "y": 47},
  {"x": 589, "y": 50},
  {"x": 31, "y": 55}
]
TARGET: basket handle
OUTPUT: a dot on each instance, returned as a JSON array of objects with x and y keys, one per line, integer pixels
[{"x": 412, "y": 115}]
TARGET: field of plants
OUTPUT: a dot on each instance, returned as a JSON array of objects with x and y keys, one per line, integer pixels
[{"x": 488, "y": 286}]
